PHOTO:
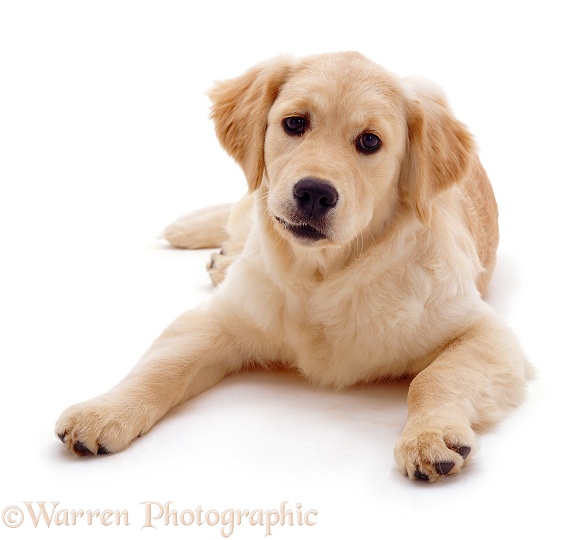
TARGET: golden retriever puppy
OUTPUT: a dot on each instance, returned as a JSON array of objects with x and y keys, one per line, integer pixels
[{"x": 361, "y": 252}]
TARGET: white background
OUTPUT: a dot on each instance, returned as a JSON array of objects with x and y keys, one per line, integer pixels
[{"x": 105, "y": 139}]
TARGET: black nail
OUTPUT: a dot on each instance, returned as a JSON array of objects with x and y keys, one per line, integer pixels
[
  {"x": 420, "y": 475},
  {"x": 81, "y": 449},
  {"x": 102, "y": 450},
  {"x": 463, "y": 451},
  {"x": 62, "y": 436},
  {"x": 444, "y": 467}
]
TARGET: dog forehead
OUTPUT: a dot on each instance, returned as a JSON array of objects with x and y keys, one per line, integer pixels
[
  {"x": 341, "y": 66},
  {"x": 341, "y": 81}
]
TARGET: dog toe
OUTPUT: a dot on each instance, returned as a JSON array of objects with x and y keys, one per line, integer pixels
[
  {"x": 418, "y": 475},
  {"x": 444, "y": 467},
  {"x": 81, "y": 450},
  {"x": 100, "y": 426},
  {"x": 430, "y": 452},
  {"x": 463, "y": 451}
]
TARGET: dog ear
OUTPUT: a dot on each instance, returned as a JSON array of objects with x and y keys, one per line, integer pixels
[
  {"x": 439, "y": 150},
  {"x": 240, "y": 112}
]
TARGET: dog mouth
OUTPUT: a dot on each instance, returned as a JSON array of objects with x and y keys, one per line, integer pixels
[{"x": 303, "y": 231}]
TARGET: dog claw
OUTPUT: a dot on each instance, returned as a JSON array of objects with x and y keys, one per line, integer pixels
[
  {"x": 463, "y": 451},
  {"x": 62, "y": 436},
  {"x": 443, "y": 468},
  {"x": 102, "y": 451},
  {"x": 81, "y": 450},
  {"x": 421, "y": 476}
]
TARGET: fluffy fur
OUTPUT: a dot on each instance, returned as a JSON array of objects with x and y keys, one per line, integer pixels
[{"x": 383, "y": 279}]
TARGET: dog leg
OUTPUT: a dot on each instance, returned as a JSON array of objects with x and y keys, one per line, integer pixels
[
  {"x": 192, "y": 355},
  {"x": 471, "y": 385},
  {"x": 226, "y": 226},
  {"x": 204, "y": 228},
  {"x": 238, "y": 227}
]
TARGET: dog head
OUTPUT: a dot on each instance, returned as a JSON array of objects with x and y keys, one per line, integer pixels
[{"x": 340, "y": 144}]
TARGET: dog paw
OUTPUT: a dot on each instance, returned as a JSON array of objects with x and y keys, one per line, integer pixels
[
  {"x": 217, "y": 266},
  {"x": 96, "y": 427},
  {"x": 430, "y": 452}
]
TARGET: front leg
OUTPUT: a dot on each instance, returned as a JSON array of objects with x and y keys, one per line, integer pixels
[
  {"x": 472, "y": 384},
  {"x": 193, "y": 354}
]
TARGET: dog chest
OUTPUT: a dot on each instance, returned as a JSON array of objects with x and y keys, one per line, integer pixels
[{"x": 383, "y": 316}]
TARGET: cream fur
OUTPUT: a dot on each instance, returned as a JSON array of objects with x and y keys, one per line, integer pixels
[{"x": 394, "y": 289}]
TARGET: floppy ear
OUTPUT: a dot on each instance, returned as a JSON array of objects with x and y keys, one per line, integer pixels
[
  {"x": 240, "y": 112},
  {"x": 439, "y": 150}
]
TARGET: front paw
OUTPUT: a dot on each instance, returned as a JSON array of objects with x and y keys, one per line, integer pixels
[
  {"x": 99, "y": 426},
  {"x": 217, "y": 266},
  {"x": 430, "y": 450}
]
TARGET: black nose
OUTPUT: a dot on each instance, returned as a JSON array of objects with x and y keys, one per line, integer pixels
[{"x": 315, "y": 198}]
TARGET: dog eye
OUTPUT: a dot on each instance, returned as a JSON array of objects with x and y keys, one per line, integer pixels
[
  {"x": 295, "y": 125},
  {"x": 368, "y": 143}
]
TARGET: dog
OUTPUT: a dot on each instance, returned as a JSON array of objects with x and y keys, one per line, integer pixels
[{"x": 361, "y": 252}]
